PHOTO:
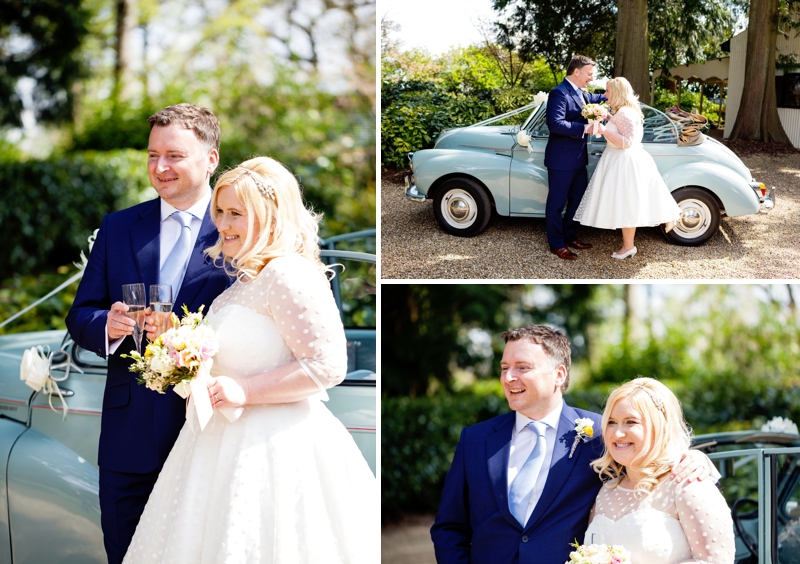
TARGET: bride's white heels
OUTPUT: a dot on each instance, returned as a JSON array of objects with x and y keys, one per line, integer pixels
[{"x": 624, "y": 255}]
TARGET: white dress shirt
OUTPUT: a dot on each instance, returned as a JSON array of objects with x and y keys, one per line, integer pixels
[
  {"x": 169, "y": 232},
  {"x": 522, "y": 443}
]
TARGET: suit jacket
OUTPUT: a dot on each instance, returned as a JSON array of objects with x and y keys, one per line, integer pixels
[
  {"x": 566, "y": 146},
  {"x": 138, "y": 426},
  {"x": 474, "y": 524}
]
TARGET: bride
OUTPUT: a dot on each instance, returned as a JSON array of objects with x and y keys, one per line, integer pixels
[
  {"x": 626, "y": 190},
  {"x": 285, "y": 482},
  {"x": 660, "y": 521}
]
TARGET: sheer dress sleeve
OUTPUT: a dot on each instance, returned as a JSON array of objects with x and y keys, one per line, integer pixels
[
  {"x": 626, "y": 122},
  {"x": 299, "y": 298},
  {"x": 706, "y": 522}
]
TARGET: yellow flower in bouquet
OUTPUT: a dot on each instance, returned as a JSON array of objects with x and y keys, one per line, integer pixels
[
  {"x": 598, "y": 554},
  {"x": 595, "y": 113},
  {"x": 176, "y": 355}
]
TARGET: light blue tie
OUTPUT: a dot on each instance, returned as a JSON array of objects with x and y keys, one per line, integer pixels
[
  {"x": 522, "y": 487},
  {"x": 175, "y": 265}
]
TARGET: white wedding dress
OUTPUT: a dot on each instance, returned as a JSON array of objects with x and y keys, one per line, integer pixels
[
  {"x": 285, "y": 483},
  {"x": 626, "y": 189},
  {"x": 674, "y": 523}
]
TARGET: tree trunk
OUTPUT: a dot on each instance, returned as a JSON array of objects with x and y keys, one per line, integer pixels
[
  {"x": 757, "y": 118},
  {"x": 632, "y": 54},
  {"x": 123, "y": 76}
]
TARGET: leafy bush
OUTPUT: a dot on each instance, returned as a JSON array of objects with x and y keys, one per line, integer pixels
[
  {"x": 50, "y": 207},
  {"x": 412, "y": 116},
  {"x": 19, "y": 291},
  {"x": 418, "y": 440}
]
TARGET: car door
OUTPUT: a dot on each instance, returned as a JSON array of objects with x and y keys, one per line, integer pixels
[{"x": 528, "y": 175}]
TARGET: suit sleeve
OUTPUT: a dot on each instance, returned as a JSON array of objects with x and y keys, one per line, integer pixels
[
  {"x": 557, "y": 116},
  {"x": 596, "y": 98},
  {"x": 451, "y": 532},
  {"x": 86, "y": 320}
]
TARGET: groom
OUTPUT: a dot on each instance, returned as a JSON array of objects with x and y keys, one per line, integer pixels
[
  {"x": 516, "y": 493},
  {"x": 150, "y": 243},
  {"x": 565, "y": 156}
]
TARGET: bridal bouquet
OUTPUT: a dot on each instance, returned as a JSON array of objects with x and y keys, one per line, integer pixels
[
  {"x": 176, "y": 356},
  {"x": 595, "y": 113},
  {"x": 598, "y": 554}
]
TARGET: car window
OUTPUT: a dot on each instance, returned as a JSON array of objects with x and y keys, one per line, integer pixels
[
  {"x": 787, "y": 507},
  {"x": 538, "y": 126},
  {"x": 658, "y": 127}
]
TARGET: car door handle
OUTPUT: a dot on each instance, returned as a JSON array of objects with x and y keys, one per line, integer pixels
[
  {"x": 596, "y": 153},
  {"x": 65, "y": 392}
]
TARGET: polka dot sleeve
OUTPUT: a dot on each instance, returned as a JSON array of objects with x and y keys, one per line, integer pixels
[
  {"x": 626, "y": 122},
  {"x": 706, "y": 522},
  {"x": 301, "y": 302}
]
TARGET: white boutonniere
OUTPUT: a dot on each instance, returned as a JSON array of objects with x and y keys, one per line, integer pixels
[{"x": 584, "y": 430}]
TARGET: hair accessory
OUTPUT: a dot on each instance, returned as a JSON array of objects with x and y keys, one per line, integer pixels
[
  {"x": 263, "y": 187},
  {"x": 656, "y": 400}
]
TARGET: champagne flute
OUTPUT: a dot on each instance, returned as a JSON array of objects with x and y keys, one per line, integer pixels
[
  {"x": 161, "y": 306},
  {"x": 133, "y": 297}
]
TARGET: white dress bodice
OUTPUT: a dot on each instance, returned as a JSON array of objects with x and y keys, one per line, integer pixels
[{"x": 674, "y": 523}]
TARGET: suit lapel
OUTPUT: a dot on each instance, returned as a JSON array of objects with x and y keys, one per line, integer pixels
[
  {"x": 560, "y": 466},
  {"x": 498, "y": 446},
  {"x": 196, "y": 272},
  {"x": 145, "y": 240}
]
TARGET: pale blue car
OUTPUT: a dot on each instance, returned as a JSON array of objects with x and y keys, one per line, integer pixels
[
  {"x": 476, "y": 169},
  {"x": 49, "y": 507}
]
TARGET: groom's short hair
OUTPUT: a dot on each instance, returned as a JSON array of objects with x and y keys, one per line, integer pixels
[
  {"x": 578, "y": 62},
  {"x": 554, "y": 343},
  {"x": 202, "y": 121}
]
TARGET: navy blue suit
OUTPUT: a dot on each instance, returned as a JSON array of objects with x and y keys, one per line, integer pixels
[
  {"x": 565, "y": 158},
  {"x": 138, "y": 426},
  {"x": 474, "y": 524}
]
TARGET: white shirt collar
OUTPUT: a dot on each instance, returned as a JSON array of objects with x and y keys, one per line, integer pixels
[
  {"x": 551, "y": 419},
  {"x": 576, "y": 87},
  {"x": 198, "y": 210}
]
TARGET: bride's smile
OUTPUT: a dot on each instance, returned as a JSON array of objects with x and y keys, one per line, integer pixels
[{"x": 231, "y": 221}]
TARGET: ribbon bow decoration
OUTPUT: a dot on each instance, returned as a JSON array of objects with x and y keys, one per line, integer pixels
[{"x": 36, "y": 371}]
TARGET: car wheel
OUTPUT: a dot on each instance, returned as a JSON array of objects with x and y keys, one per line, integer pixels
[
  {"x": 700, "y": 217},
  {"x": 462, "y": 207}
]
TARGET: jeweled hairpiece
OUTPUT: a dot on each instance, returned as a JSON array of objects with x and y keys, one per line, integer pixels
[
  {"x": 263, "y": 186},
  {"x": 656, "y": 400}
]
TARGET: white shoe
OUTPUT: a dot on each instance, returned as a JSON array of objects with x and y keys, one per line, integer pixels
[
  {"x": 669, "y": 226},
  {"x": 624, "y": 255}
]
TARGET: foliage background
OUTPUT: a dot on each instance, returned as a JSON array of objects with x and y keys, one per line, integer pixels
[
  {"x": 292, "y": 80},
  {"x": 731, "y": 353}
]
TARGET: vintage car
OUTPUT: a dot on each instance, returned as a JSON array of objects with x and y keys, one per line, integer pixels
[
  {"x": 49, "y": 508},
  {"x": 761, "y": 483},
  {"x": 473, "y": 170}
]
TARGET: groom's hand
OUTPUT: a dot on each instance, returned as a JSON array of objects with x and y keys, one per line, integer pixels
[
  {"x": 118, "y": 323},
  {"x": 694, "y": 465}
]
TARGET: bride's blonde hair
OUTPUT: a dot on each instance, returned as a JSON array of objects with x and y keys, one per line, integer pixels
[
  {"x": 278, "y": 224},
  {"x": 667, "y": 436},
  {"x": 620, "y": 95}
]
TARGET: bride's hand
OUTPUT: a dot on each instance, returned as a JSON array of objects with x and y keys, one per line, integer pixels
[
  {"x": 601, "y": 129},
  {"x": 226, "y": 392}
]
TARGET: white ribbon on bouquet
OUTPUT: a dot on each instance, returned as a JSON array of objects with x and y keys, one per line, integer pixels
[{"x": 196, "y": 390}]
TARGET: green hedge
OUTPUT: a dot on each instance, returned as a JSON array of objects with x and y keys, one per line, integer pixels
[
  {"x": 413, "y": 116},
  {"x": 49, "y": 207},
  {"x": 418, "y": 440}
]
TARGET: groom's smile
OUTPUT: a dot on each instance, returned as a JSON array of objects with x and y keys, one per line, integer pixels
[{"x": 531, "y": 383}]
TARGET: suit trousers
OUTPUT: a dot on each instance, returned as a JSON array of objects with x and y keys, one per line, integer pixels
[
  {"x": 123, "y": 496},
  {"x": 566, "y": 187}
]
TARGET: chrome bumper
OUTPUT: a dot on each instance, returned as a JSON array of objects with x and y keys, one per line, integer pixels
[
  {"x": 767, "y": 200},
  {"x": 411, "y": 190}
]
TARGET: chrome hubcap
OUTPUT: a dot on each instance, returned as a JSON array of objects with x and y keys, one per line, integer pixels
[
  {"x": 695, "y": 218},
  {"x": 459, "y": 208}
]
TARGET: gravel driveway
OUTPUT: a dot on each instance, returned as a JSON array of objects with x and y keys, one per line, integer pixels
[{"x": 762, "y": 246}]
